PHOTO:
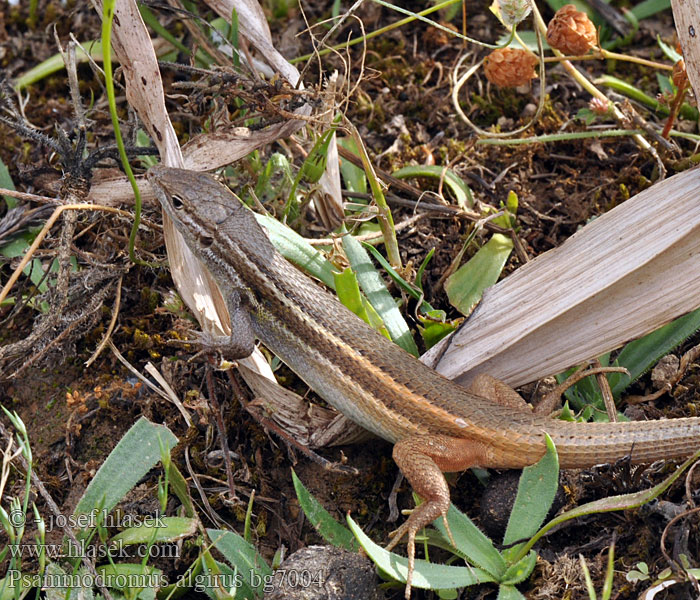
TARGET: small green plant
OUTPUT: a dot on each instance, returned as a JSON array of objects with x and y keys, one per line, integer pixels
[
  {"x": 609, "y": 572},
  {"x": 637, "y": 357},
  {"x": 485, "y": 563},
  {"x": 665, "y": 579},
  {"x": 70, "y": 571}
]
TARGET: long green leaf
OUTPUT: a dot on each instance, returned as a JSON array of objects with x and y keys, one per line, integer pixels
[
  {"x": 427, "y": 575},
  {"x": 611, "y": 503},
  {"x": 508, "y": 592},
  {"x": 649, "y": 8},
  {"x": 377, "y": 294},
  {"x": 354, "y": 177},
  {"x": 162, "y": 529},
  {"x": 536, "y": 491},
  {"x": 134, "y": 456},
  {"x": 465, "y": 287},
  {"x": 349, "y": 294},
  {"x": 242, "y": 555},
  {"x": 686, "y": 111},
  {"x": 642, "y": 354},
  {"x": 297, "y": 250},
  {"x": 55, "y": 63},
  {"x": 472, "y": 543},
  {"x": 179, "y": 485},
  {"x": 7, "y": 183},
  {"x": 236, "y": 549},
  {"x": 458, "y": 187},
  {"x": 412, "y": 290},
  {"x": 329, "y": 529}
]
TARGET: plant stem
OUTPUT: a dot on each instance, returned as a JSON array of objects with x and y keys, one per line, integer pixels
[
  {"x": 386, "y": 221},
  {"x": 414, "y": 16},
  {"x": 602, "y": 54}
]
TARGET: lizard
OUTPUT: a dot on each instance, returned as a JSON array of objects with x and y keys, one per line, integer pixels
[{"x": 436, "y": 425}]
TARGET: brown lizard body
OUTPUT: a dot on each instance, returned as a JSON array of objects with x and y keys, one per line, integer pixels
[{"x": 436, "y": 425}]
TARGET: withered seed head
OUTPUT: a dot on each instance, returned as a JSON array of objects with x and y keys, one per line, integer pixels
[
  {"x": 510, "y": 67},
  {"x": 571, "y": 31}
]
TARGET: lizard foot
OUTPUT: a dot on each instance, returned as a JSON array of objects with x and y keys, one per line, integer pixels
[
  {"x": 422, "y": 459},
  {"x": 423, "y": 515},
  {"x": 228, "y": 347}
]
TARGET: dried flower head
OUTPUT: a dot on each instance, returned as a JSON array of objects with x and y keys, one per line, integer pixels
[
  {"x": 513, "y": 11},
  {"x": 510, "y": 67},
  {"x": 599, "y": 106},
  {"x": 680, "y": 75},
  {"x": 571, "y": 31}
]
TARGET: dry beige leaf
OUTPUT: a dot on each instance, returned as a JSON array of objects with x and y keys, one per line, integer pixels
[
  {"x": 144, "y": 92},
  {"x": 329, "y": 203},
  {"x": 209, "y": 151},
  {"x": 623, "y": 275},
  {"x": 144, "y": 87},
  {"x": 253, "y": 26},
  {"x": 308, "y": 424},
  {"x": 117, "y": 191},
  {"x": 685, "y": 15}
]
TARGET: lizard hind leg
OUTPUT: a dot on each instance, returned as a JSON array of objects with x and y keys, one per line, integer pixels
[
  {"x": 500, "y": 392},
  {"x": 423, "y": 459}
]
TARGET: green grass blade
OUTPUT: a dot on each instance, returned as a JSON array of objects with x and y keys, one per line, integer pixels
[
  {"x": 354, "y": 177},
  {"x": 641, "y": 355},
  {"x": 427, "y": 575},
  {"x": 349, "y": 294},
  {"x": 649, "y": 8},
  {"x": 152, "y": 21},
  {"x": 179, "y": 486},
  {"x": 55, "y": 64},
  {"x": 508, "y": 592},
  {"x": 454, "y": 182},
  {"x": 297, "y": 250},
  {"x": 411, "y": 290},
  {"x": 471, "y": 543},
  {"x": 686, "y": 111},
  {"x": 157, "y": 530},
  {"x": 377, "y": 294},
  {"x": 7, "y": 183},
  {"x": 611, "y": 503},
  {"x": 238, "y": 552}
]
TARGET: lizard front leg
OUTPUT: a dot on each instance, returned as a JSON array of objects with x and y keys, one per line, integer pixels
[
  {"x": 241, "y": 342},
  {"x": 423, "y": 460}
]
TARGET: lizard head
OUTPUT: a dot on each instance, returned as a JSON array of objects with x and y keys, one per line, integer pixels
[{"x": 207, "y": 213}]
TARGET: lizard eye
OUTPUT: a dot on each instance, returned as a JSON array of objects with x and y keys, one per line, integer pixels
[
  {"x": 177, "y": 202},
  {"x": 206, "y": 241}
]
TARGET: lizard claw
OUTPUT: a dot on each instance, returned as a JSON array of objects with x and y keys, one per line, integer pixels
[
  {"x": 205, "y": 342},
  {"x": 421, "y": 516},
  {"x": 396, "y": 537},
  {"x": 228, "y": 347}
]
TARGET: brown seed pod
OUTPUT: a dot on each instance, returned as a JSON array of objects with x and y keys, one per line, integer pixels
[
  {"x": 571, "y": 31},
  {"x": 510, "y": 67}
]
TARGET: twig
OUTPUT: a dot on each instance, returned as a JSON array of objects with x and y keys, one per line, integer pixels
[{"x": 110, "y": 328}]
